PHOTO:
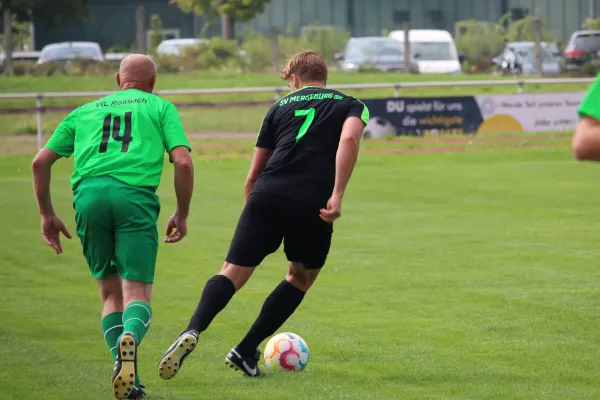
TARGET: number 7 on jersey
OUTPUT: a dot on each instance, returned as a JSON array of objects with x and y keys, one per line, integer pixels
[{"x": 310, "y": 116}]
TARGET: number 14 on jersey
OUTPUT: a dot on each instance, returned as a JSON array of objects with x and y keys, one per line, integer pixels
[{"x": 115, "y": 121}]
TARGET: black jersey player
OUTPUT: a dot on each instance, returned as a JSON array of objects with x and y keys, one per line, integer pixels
[{"x": 305, "y": 153}]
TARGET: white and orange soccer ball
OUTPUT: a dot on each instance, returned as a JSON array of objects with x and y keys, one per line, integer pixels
[{"x": 286, "y": 352}]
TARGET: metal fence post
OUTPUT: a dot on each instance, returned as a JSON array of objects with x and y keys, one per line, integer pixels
[
  {"x": 407, "y": 47},
  {"x": 538, "y": 52},
  {"x": 276, "y": 91},
  {"x": 274, "y": 48},
  {"x": 40, "y": 122}
]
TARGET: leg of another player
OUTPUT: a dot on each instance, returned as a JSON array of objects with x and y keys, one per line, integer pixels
[
  {"x": 111, "y": 295},
  {"x": 217, "y": 293},
  {"x": 277, "y": 308}
]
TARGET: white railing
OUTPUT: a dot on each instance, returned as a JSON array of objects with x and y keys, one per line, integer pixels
[{"x": 278, "y": 90}]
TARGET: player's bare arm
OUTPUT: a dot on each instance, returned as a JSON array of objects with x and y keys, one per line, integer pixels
[
  {"x": 184, "y": 188},
  {"x": 345, "y": 161},
  {"x": 586, "y": 141},
  {"x": 259, "y": 162},
  {"x": 114, "y": 183},
  {"x": 303, "y": 139},
  {"x": 52, "y": 225}
]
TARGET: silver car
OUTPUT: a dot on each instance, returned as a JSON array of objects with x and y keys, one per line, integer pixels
[
  {"x": 174, "y": 47},
  {"x": 518, "y": 58},
  {"x": 374, "y": 53},
  {"x": 22, "y": 56},
  {"x": 65, "y": 52}
]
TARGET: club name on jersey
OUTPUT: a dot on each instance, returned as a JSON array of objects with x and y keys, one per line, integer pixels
[
  {"x": 120, "y": 102},
  {"x": 315, "y": 96}
]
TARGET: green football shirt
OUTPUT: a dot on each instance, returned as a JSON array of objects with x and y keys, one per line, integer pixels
[
  {"x": 123, "y": 136},
  {"x": 590, "y": 106}
]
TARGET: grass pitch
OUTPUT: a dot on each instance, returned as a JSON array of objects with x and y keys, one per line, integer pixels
[{"x": 452, "y": 276}]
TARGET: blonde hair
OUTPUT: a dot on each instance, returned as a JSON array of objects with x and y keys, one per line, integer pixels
[{"x": 309, "y": 66}]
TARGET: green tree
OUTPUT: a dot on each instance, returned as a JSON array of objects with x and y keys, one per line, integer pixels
[
  {"x": 480, "y": 42},
  {"x": 48, "y": 13},
  {"x": 522, "y": 30},
  {"x": 230, "y": 11},
  {"x": 592, "y": 24},
  {"x": 21, "y": 37},
  {"x": 326, "y": 40},
  {"x": 156, "y": 32}
]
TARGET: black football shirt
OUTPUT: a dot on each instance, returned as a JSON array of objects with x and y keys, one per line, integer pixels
[{"x": 303, "y": 130}]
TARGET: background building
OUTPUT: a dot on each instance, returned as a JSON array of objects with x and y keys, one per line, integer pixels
[{"x": 113, "y": 22}]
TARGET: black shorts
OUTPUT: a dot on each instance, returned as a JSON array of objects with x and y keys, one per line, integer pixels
[{"x": 267, "y": 220}]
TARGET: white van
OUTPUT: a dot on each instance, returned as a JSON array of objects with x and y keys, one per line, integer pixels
[{"x": 434, "y": 50}]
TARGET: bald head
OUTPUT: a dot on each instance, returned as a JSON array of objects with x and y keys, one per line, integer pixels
[{"x": 137, "y": 71}]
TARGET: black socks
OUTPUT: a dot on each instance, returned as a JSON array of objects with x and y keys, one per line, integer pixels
[
  {"x": 216, "y": 294},
  {"x": 277, "y": 308}
]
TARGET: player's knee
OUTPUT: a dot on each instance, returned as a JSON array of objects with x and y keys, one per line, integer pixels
[
  {"x": 136, "y": 291},
  {"x": 111, "y": 297},
  {"x": 112, "y": 300},
  {"x": 303, "y": 280},
  {"x": 301, "y": 277},
  {"x": 236, "y": 274},
  {"x": 110, "y": 291}
]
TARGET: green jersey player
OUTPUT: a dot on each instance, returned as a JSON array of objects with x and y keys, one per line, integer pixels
[
  {"x": 586, "y": 141},
  {"x": 118, "y": 145}
]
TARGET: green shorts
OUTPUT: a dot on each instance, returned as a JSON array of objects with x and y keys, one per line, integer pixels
[{"x": 116, "y": 224}]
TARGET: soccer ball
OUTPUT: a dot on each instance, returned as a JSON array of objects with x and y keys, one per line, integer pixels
[
  {"x": 286, "y": 352},
  {"x": 378, "y": 127}
]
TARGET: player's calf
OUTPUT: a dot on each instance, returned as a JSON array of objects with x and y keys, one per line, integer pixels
[{"x": 172, "y": 360}]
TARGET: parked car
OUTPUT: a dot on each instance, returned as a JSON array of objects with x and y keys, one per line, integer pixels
[
  {"x": 434, "y": 50},
  {"x": 518, "y": 58},
  {"x": 375, "y": 53},
  {"x": 115, "y": 57},
  {"x": 583, "y": 46},
  {"x": 22, "y": 56},
  {"x": 174, "y": 47},
  {"x": 65, "y": 52}
]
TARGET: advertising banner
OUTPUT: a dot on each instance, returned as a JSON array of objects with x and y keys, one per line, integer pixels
[
  {"x": 516, "y": 113},
  {"x": 423, "y": 116},
  {"x": 535, "y": 112}
]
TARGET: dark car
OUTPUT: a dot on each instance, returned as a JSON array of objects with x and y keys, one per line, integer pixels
[
  {"x": 583, "y": 47},
  {"x": 374, "y": 53}
]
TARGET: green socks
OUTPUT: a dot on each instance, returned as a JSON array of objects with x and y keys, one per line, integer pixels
[
  {"x": 136, "y": 319},
  {"x": 112, "y": 328}
]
